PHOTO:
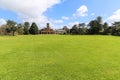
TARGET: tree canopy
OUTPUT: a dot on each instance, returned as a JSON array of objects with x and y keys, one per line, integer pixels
[{"x": 34, "y": 29}]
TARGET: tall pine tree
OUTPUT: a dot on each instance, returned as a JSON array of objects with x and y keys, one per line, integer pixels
[
  {"x": 26, "y": 28},
  {"x": 33, "y": 29}
]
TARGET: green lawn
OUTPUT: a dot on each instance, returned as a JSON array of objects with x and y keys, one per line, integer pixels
[{"x": 59, "y": 57}]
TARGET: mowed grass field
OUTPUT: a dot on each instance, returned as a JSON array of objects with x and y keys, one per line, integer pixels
[{"x": 59, "y": 57}]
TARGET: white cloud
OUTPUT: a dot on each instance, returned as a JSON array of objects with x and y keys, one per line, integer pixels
[
  {"x": 81, "y": 12},
  {"x": 65, "y": 18},
  {"x": 2, "y": 21},
  {"x": 29, "y": 10},
  {"x": 57, "y": 21},
  {"x": 114, "y": 17}
]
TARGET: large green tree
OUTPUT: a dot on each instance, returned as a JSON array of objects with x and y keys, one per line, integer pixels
[
  {"x": 20, "y": 29},
  {"x": 99, "y": 23},
  {"x": 105, "y": 25},
  {"x": 34, "y": 29},
  {"x": 74, "y": 29},
  {"x": 81, "y": 25},
  {"x": 26, "y": 28},
  {"x": 82, "y": 29},
  {"x": 116, "y": 29},
  {"x": 79, "y": 29},
  {"x": 11, "y": 26},
  {"x": 106, "y": 29},
  {"x": 94, "y": 29},
  {"x": 96, "y": 26}
]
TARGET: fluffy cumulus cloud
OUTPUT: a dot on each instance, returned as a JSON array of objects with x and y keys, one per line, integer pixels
[
  {"x": 2, "y": 21},
  {"x": 29, "y": 10},
  {"x": 114, "y": 17},
  {"x": 57, "y": 21},
  {"x": 81, "y": 11}
]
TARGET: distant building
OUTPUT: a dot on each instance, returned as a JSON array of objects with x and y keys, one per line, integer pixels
[
  {"x": 47, "y": 30},
  {"x": 60, "y": 31}
]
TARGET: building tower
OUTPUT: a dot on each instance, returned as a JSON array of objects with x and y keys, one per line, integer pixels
[{"x": 48, "y": 25}]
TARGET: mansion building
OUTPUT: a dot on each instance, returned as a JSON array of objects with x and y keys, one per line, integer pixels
[{"x": 47, "y": 30}]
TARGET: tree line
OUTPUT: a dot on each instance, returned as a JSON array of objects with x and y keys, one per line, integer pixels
[
  {"x": 12, "y": 28},
  {"x": 94, "y": 27}
]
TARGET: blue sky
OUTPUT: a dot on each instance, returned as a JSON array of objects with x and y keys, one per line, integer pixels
[{"x": 59, "y": 12}]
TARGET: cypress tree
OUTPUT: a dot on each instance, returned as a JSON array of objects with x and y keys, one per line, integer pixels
[{"x": 33, "y": 29}]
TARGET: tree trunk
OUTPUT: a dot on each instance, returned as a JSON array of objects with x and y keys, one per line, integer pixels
[{"x": 13, "y": 33}]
